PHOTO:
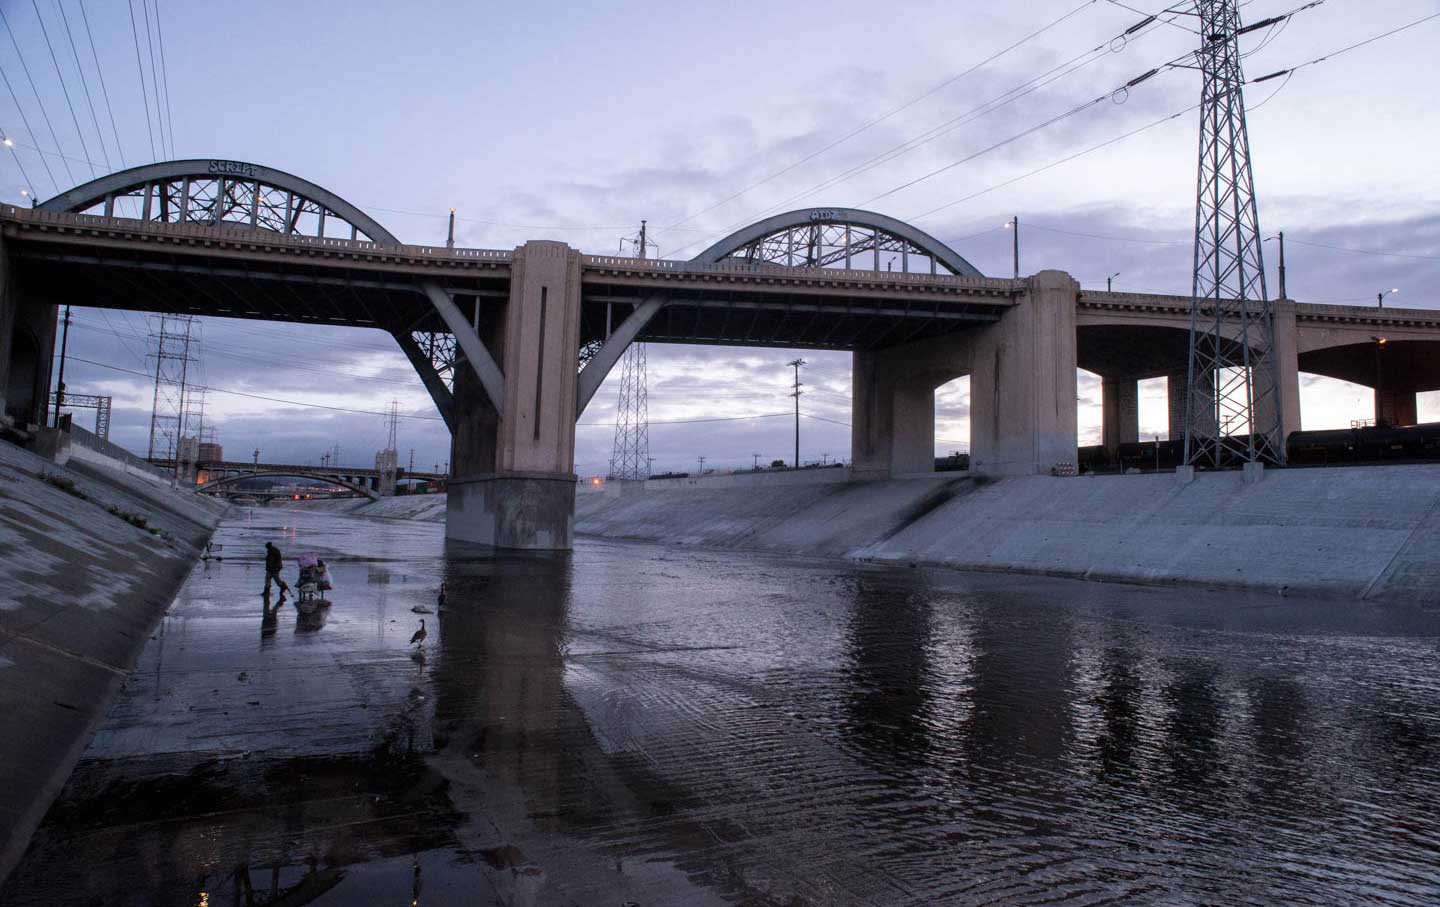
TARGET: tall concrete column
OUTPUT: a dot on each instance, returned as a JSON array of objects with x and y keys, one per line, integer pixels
[
  {"x": 512, "y": 479},
  {"x": 1176, "y": 393},
  {"x": 1022, "y": 383},
  {"x": 1395, "y": 407},
  {"x": 1120, "y": 413},
  {"x": 892, "y": 426},
  {"x": 1287, "y": 370},
  {"x": 27, "y": 348}
]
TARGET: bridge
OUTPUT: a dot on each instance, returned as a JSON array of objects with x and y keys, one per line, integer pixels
[{"x": 513, "y": 344}]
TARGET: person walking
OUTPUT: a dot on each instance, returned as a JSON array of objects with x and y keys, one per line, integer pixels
[{"x": 274, "y": 563}]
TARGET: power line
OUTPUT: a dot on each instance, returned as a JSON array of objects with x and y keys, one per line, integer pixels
[
  {"x": 105, "y": 92},
  {"x": 63, "y": 88},
  {"x": 43, "y": 112},
  {"x": 1154, "y": 242},
  {"x": 165, "y": 77},
  {"x": 681, "y": 421},
  {"x": 885, "y": 116},
  {"x": 221, "y": 390},
  {"x": 1054, "y": 74},
  {"x": 11, "y": 142},
  {"x": 1354, "y": 251},
  {"x": 140, "y": 68},
  {"x": 1344, "y": 50},
  {"x": 84, "y": 83},
  {"x": 154, "y": 79}
]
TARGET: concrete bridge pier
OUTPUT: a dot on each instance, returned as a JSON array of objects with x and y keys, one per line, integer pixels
[
  {"x": 27, "y": 337},
  {"x": 512, "y": 481},
  {"x": 1022, "y": 391},
  {"x": 1119, "y": 413}
]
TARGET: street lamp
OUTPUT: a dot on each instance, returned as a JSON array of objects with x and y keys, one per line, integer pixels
[
  {"x": 1380, "y": 296},
  {"x": 1108, "y": 280},
  {"x": 1014, "y": 224}
]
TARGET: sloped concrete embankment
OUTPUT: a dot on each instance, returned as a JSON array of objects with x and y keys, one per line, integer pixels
[
  {"x": 83, "y": 585},
  {"x": 1357, "y": 533}
]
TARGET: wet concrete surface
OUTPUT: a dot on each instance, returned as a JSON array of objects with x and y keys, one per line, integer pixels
[{"x": 640, "y": 724}]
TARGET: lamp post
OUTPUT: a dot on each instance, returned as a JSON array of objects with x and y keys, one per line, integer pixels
[
  {"x": 1380, "y": 296},
  {"x": 1109, "y": 281},
  {"x": 1013, "y": 224},
  {"x": 1280, "y": 237}
]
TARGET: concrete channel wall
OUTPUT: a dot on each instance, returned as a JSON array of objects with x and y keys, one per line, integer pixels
[
  {"x": 1368, "y": 532},
  {"x": 82, "y": 587}
]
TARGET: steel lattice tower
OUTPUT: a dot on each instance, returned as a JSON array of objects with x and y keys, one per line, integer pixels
[
  {"x": 172, "y": 367},
  {"x": 630, "y": 458},
  {"x": 1232, "y": 410}
]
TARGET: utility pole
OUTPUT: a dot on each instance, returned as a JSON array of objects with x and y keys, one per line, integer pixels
[
  {"x": 60, "y": 381},
  {"x": 754, "y": 462},
  {"x": 702, "y": 467},
  {"x": 795, "y": 364},
  {"x": 642, "y": 239},
  {"x": 450, "y": 237},
  {"x": 257, "y": 456}
]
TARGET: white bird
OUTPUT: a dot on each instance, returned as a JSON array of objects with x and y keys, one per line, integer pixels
[{"x": 420, "y": 634}]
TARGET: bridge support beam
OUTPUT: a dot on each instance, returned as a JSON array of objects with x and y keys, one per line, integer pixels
[
  {"x": 1287, "y": 370},
  {"x": 512, "y": 479},
  {"x": 27, "y": 347},
  {"x": 1022, "y": 391},
  {"x": 1120, "y": 414},
  {"x": 1022, "y": 385}
]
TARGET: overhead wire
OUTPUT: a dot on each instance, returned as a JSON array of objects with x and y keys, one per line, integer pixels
[
  {"x": 140, "y": 68},
  {"x": 84, "y": 84},
  {"x": 222, "y": 390},
  {"x": 104, "y": 91},
  {"x": 165, "y": 77},
  {"x": 154, "y": 79},
  {"x": 1029, "y": 86},
  {"x": 44, "y": 113},
  {"x": 74, "y": 118},
  {"x": 885, "y": 116}
]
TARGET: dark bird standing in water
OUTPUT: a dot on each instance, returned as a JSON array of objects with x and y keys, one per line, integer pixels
[
  {"x": 419, "y": 637},
  {"x": 441, "y": 601}
]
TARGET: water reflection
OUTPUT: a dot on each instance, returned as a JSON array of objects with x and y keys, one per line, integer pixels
[
  {"x": 887, "y": 682},
  {"x": 1119, "y": 701}
]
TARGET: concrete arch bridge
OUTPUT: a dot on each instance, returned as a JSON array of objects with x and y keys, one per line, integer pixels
[{"x": 513, "y": 344}]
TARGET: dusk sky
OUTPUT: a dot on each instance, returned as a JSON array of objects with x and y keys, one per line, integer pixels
[{"x": 574, "y": 121}]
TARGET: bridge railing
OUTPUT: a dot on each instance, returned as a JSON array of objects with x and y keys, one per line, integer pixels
[
  {"x": 738, "y": 267},
  {"x": 241, "y": 232}
]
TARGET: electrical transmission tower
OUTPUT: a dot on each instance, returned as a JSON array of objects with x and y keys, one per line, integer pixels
[
  {"x": 630, "y": 457},
  {"x": 171, "y": 342},
  {"x": 1232, "y": 401}
]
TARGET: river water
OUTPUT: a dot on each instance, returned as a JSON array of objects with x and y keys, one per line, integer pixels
[{"x": 658, "y": 725}]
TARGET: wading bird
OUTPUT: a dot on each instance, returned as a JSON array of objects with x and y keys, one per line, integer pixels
[{"x": 419, "y": 637}]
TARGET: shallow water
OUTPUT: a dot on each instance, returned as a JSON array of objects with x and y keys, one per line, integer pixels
[{"x": 665, "y": 725}]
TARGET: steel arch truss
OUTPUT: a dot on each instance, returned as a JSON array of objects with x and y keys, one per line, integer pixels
[
  {"x": 222, "y": 193},
  {"x": 839, "y": 238}
]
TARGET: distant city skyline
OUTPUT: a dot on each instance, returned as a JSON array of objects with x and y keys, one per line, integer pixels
[{"x": 574, "y": 122}]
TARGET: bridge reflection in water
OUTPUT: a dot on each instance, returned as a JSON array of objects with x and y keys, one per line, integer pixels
[{"x": 635, "y": 722}]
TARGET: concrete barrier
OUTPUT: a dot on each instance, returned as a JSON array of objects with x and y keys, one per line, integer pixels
[
  {"x": 82, "y": 585},
  {"x": 1369, "y": 532}
]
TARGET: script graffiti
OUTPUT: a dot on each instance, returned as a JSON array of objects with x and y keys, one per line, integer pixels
[{"x": 233, "y": 168}]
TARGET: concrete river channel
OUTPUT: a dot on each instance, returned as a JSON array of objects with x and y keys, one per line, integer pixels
[{"x": 641, "y": 724}]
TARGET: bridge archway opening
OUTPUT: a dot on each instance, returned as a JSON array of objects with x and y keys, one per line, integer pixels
[{"x": 952, "y": 424}]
